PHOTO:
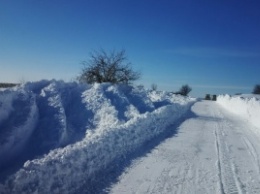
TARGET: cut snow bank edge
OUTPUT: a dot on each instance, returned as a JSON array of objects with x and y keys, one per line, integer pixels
[
  {"x": 82, "y": 160},
  {"x": 247, "y": 107}
]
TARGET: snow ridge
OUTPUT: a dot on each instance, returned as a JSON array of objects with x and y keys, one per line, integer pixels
[
  {"x": 78, "y": 130},
  {"x": 247, "y": 106}
]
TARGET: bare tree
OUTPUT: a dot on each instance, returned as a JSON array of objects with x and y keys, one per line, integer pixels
[
  {"x": 113, "y": 67},
  {"x": 185, "y": 90},
  {"x": 256, "y": 89}
]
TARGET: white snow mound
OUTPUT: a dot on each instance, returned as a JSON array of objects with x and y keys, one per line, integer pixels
[
  {"x": 247, "y": 106},
  {"x": 63, "y": 134}
]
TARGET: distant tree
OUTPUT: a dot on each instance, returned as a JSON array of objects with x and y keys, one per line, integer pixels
[
  {"x": 184, "y": 90},
  {"x": 110, "y": 67},
  {"x": 154, "y": 87},
  {"x": 256, "y": 89},
  {"x": 207, "y": 97}
]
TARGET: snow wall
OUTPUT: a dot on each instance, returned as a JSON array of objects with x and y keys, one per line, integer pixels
[
  {"x": 56, "y": 136},
  {"x": 247, "y": 106}
]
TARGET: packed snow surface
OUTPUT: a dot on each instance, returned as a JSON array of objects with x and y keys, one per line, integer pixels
[
  {"x": 246, "y": 106},
  {"x": 213, "y": 152},
  {"x": 58, "y": 137}
]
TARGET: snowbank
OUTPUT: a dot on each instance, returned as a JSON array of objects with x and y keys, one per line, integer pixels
[
  {"x": 67, "y": 132},
  {"x": 247, "y": 106},
  {"x": 18, "y": 117}
]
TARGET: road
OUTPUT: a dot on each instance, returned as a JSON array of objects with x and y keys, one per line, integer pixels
[{"x": 214, "y": 151}]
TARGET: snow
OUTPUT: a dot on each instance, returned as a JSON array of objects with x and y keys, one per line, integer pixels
[
  {"x": 21, "y": 107},
  {"x": 245, "y": 105},
  {"x": 57, "y": 137},
  {"x": 6, "y": 99},
  {"x": 212, "y": 152}
]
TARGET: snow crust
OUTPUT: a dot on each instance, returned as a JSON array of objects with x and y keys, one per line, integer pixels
[
  {"x": 246, "y": 105},
  {"x": 61, "y": 135}
]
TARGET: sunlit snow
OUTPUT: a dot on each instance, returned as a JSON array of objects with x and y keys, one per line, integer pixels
[{"x": 57, "y": 137}]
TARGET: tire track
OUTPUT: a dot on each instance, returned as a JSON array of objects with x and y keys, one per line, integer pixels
[
  {"x": 229, "y": 182},
  {"x": 252, "y": 152},
  {"x": 221, "y": 187}
]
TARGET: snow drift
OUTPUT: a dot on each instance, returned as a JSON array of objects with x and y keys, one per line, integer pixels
[
  {"x": 55, "y": 137},
  {"x": 247, "y": 106}
]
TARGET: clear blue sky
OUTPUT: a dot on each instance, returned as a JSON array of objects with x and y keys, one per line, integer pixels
[{"x": 214, "y": 46}]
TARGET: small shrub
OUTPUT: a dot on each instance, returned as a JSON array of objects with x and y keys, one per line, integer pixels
[
  {"x": 214, "y": 97},
  {"x": 207, "y": 97},
  {"x": 256, "y": 89}
]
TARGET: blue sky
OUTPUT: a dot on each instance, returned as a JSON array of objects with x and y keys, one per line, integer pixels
[{"x": 214, "y": 46}]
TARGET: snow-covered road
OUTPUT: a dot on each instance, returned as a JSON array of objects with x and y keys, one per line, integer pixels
[{"x": 213, "y": 152}]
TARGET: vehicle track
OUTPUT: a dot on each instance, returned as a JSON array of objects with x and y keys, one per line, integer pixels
[
  {"x": 229, "y": 181},
  {"x": 252, "y": 152}
]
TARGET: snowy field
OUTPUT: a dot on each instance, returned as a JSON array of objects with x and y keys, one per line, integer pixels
[
  {"x": 58, "y": 137},
  {"x": 245, "y": 105}
]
